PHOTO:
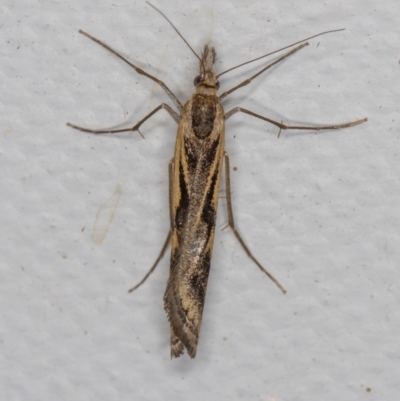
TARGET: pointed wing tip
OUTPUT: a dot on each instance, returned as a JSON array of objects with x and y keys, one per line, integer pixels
[
  {"x": 177, "y": 351},
  {"x": 183, "y": 341},
  {"x": 177, "y": 347}
]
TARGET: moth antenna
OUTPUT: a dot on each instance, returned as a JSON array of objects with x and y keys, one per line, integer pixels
[
  {"x": 283, "y": 48},
  {"x": 176, "y": 30}
]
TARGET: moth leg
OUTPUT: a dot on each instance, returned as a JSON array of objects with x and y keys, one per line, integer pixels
[
  {"x": 248, "y": 80},
  {"x": 160, "y": 256},
  {"x": 232, "y": 225},
  {"x": 164, "y": 248},
  {"x": 235, "y": 110},
  {"x": 136, "y": 127},
  {"x": 170, "y": 191},
  {"x": 137, "y": 69}
]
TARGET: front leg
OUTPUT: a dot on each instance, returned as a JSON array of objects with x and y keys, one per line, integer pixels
[
  {"x": 248, "y": 80},
  {"x": 137, "y": 69}
]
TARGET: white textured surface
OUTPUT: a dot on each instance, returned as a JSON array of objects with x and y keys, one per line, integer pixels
[{"x": 321, "y": 211}]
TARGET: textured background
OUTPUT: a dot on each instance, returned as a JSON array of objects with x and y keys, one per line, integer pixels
[{"x": 319, "y": 210}]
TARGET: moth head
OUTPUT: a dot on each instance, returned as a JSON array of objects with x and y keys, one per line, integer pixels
[{"x": 207, "y": 76}]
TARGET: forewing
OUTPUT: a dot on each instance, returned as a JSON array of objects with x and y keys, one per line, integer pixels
[{"x": 197, "y": 169}]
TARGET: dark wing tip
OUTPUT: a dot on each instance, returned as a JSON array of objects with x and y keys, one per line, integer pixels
[
  {"x": 185, "y": 332},
  {"x": 177, "y": 347}
]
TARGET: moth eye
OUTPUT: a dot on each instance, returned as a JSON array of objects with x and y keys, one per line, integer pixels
[
  {"x": 217, "y": 83},
  {"x": 197, "y": 80}
]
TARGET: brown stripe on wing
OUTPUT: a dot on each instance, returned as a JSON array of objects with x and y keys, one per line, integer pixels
[
  {"x": 184, "y": 305},
  {"x": 209, "y": 212}
]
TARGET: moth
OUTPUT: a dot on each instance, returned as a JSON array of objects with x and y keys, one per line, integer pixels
[{"x": 194, "y": 179}]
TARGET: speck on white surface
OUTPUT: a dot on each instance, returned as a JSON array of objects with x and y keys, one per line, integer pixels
[{"x": 320, "y": 211}]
